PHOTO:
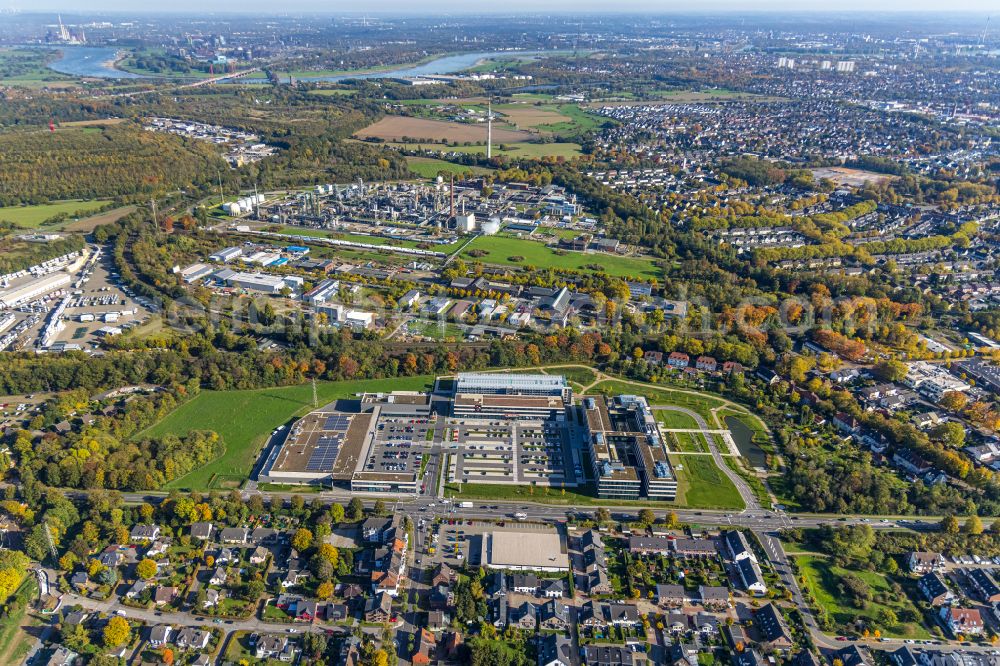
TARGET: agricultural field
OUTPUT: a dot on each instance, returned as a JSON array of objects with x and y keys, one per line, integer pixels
[
  {"x": 32, "y": 217},
  {"x": 428, "y": 167},
  {"x": 401, "y": 128},
  {"x": 509, "y": 251},
  {"x": 245, "y": 419},
  {"x": 530, "y": 151}
]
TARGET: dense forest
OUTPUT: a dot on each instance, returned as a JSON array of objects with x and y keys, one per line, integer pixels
[{"x": 111, "y": 161}]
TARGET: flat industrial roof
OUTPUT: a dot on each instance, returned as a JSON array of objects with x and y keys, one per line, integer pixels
[{"x": 524, "y": 550}]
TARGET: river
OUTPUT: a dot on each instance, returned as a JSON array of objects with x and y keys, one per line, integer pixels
[{"x": 98, "y": 62}]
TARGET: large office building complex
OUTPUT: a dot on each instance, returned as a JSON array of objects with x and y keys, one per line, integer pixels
[
  {"x": 626, "y": 452},
  {"x": 495, "y": 383}
]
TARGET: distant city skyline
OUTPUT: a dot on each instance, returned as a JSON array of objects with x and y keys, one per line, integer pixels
[{"x": 430, "y": 7}]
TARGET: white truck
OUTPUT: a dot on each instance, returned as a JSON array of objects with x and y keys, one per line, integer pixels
[{"x": 465, "y": 505}]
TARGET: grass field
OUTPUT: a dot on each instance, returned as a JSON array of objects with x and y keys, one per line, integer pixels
[
  {"x": 823, "y": 580},
  {"x": 245, "y": 419},
  {"x": 525, "y": 150},
  {"x": 701, "y": 484},
  {"x": 370, "y": 240},
  {"x": 700, "y": 403},
  {"x": 428, "y": 167},
  {"x": 672, "y": 419},
  {"x": 31, "y": 217},
  {"x": 404, "y": 128},
  {"x": 500, "y": 249},
  {"x": 687, "y": 442},
  {"x": 14, "y": 641}
]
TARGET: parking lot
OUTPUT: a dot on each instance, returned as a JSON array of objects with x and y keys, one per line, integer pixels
[{"x": 509, "y": 451}]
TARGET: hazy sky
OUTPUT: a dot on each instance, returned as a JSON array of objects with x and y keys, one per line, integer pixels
[{"x": 505, "y": 7}]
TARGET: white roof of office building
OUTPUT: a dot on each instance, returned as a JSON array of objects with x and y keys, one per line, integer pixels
[{"x": 474, "y": 382}]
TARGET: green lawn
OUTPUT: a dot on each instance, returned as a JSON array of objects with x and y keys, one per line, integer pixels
[
  {"x": 702, "y": 484},
  {"x": 14, "y": 642},
  {"x": 582, "y": 496},
  {"x": 671, "y": 419},
  {"x": 32, "y": 217},
  {"x": 500, "y": 250},
  {"x": 245, "y": 419},
  {"x": 700, "y": 403},
  {"x": 582, "y": 376},
  {"x": 525, "y": 150},
  {"x": 688, "y": 442},
  {"x": 823, "y": 580},
  {"x": 428, "y": 167},
  {"x": 369, "y": 240}
]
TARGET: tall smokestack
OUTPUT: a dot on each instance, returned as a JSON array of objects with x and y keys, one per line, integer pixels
[
  {"x": 489, "y": 129},
  {"x": 452, "y": 195}
]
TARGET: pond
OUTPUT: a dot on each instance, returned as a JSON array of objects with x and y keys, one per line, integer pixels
[{"x": 743, "y": 436}]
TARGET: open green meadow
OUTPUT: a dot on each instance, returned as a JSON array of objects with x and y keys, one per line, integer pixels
[
  {"x": 245, "y": 419},
  {"x": 31, "y": 217},
  {"x": 504, "y": 250},
  {"x": 15, "y": 642},
  {"x": 525, "y": 150},
  {"x": 701, "y": 484},
  {"x": 700, "y": 403},
  {"x": 428, "y": 167},
  {"x": 672, "y": 419},
  {"x": 370, "y": 240},
  {"x": 823, "y": 582}
]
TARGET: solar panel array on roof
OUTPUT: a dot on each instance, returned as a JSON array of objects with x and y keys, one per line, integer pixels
[
  {"x": 325, "y": 453},
  {"x": 337, "y": 422}
]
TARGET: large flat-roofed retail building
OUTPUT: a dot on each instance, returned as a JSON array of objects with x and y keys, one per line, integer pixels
[{"x": 524, "y": 551}]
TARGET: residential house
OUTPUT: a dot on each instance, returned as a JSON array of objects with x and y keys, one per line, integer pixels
[
  {"x": 934, "y": 589},
  {"x": 714, "y": 597},
  {"x": 145, "y": 533},
  {"x": 378, "y": 608},
  {"x": 202, "y": 531},
  {"x": 165, "y": 595},
  {"x": 751, "y": 576},
  {"x": 553, "y": 588},
  {"x": 554, "y": 616},
  {"x": 426, "y": 647},
  {"x": 555, "y": 650},
  {"x": 671, "y": 596},
  {"x": 190, "y": 638},
  {"x": 524, "y": 583},
  {"x": 678, "y": 360},
  {"x": 962, "y": 621},
  {"x": 608, "y": 655},
  {"x": 218, "y": 577},
  {"x": 524, "y": 616},
  {"x": 924, "y": 562},
  {"x": 160, "y": 635},
  {"x": 984, "y": 585},
  {"x": 772, "y": 627},
  {"x": 234, "y": 535}
]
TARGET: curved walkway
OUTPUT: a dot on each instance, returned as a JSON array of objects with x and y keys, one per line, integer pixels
[{"x": 742, "y": 487}]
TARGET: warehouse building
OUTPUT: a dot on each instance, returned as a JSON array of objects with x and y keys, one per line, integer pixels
[
  {"x": 524, "y": 551},
  {"x": 260, "y": 282},
  {"x": 33, "y": 289}
]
